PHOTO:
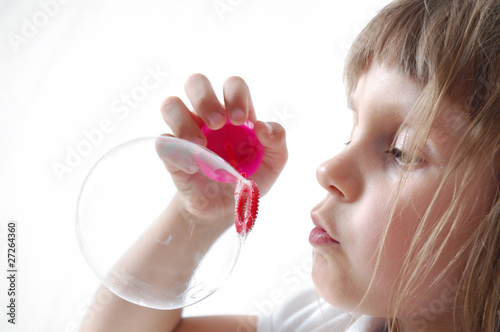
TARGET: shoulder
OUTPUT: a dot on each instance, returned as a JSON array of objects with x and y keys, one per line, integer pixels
[{"x": 307, "y": 311}]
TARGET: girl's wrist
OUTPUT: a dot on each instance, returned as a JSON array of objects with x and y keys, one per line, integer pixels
[
  {"x": 209, "y": 221},
  {"x": 204, "y": 223}
]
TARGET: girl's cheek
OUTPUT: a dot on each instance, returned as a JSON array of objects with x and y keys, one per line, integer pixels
[
  {"x": 412, "y": 205},
  {"x": 366, "y": 237}
]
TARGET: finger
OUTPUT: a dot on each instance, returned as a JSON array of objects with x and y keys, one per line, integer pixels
[
  {"x": 237, "y": 100},
  {"x": 272, "y": 136},
  {"x": 183, "y": 122},
  {"x": 204, "y": 101},
  {"x": 174, "y": 156}
]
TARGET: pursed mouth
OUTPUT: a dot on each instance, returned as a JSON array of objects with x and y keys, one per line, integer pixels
[{"x": 319, "y": 235}]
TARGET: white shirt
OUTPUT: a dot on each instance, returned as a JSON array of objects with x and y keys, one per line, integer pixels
[{"x": 307, "y": 312}]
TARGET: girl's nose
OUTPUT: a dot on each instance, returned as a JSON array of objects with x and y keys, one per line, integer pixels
[{"x": 341, "y": 175}]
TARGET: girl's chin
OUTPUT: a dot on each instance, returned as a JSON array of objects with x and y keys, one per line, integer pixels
[
  {"x": 330, "y": 283},
  {"x": 337, "y": 287}
]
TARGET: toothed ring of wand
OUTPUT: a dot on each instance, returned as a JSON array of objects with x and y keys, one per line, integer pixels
[{"x": 246, "y": 197}]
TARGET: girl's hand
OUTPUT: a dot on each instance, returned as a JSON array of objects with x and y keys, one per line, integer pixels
[{"x": 202, "y": 200}]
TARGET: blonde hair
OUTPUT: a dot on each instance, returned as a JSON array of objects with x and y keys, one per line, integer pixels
[{"x": 451, "y": 48}]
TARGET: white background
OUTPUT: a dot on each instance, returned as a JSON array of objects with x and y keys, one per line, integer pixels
[{"x": 64, "y": 67}]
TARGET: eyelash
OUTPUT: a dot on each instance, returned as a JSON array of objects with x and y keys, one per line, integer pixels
[
  {"x": 399, "y": 156},
  {"x": 402, "y": 158}
]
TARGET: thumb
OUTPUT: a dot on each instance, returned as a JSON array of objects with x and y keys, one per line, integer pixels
[{"x": 272, "y": 136}]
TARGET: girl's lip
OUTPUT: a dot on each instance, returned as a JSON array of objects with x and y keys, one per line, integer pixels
[{"x": 319, "y": 236}]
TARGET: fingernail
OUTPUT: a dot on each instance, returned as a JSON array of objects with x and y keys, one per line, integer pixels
[
  {"x": 237, "y": 114},
  {"x": 269, "y": 128},
  {"x": 215, "y": 119}
]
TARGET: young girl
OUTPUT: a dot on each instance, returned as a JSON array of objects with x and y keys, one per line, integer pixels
[{"x": 408, "y": 235}]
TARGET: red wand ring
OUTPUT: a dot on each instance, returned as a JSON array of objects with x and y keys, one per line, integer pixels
[{"x": 246, "y": 196}]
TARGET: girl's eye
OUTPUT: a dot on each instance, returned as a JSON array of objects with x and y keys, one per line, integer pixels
[{"x": 402, "y": 158}]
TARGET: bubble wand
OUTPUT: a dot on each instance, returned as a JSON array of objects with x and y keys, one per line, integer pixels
[{"x": 239, "y": 146}]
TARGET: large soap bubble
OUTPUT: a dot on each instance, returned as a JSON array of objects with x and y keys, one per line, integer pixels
[{"x": 155, "y": 221}]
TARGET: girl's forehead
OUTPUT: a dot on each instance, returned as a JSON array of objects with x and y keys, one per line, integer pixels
[
  {"x": 383, "y": 89},
  {"x": 385, "y": 92}
]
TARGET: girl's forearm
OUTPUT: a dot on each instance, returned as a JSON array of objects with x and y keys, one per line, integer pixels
[{"x": 164, "y": 259}]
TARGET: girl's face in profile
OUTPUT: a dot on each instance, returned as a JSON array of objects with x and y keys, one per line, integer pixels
[{"x": 361, "y": 183}]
